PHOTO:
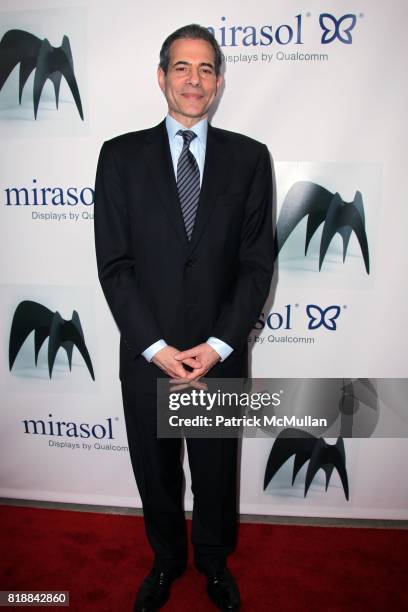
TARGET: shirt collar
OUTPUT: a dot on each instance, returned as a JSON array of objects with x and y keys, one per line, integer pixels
[{"x": 200, "y": 128}]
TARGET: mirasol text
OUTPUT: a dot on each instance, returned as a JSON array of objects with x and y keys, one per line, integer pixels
[
  {"x": 246, "y": 421},
  {"x": 34, "y": 195},
  {"x": 207, "y": 400}
]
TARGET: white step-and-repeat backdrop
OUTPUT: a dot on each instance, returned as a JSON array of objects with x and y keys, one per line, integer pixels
[{"x": 323, "y": 84}]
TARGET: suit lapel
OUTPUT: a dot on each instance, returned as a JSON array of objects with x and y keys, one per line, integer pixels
[
  {"x": 158, "y": 158},
  {"x": 215, "y": 180},
  {"x": 213, "y": 184}
]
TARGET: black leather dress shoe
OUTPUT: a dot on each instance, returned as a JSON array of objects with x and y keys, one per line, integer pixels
[
  {"x": 154, "y": 591},
  {"x": 223, "y": 590}
]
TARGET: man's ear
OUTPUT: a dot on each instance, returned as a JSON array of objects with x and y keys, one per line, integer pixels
[
  {"x": 161, "y": 77},
  {"x": 220, "y": 83}
]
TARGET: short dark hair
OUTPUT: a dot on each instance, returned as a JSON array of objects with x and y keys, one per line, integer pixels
[{"x": 196, "y": 32}]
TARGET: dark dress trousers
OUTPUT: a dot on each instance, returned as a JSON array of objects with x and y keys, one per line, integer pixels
[{"x": 160, "y": 285}]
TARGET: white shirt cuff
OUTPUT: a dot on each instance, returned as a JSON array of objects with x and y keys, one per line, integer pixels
[
  {"x": 223, "y": 349},
  {"x": 151, "y": 350}
]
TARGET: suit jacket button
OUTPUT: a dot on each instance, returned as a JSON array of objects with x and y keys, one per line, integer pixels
[{"x": 190, "y": 263}]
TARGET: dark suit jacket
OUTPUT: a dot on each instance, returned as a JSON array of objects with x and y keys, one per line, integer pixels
[{"x": 156, "y": 282}]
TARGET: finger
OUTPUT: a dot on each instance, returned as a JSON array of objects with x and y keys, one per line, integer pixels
[
  {"x": 197, "y": 384},
  {"x": 177, "y": 370},
  {"x": 196, "y": 374},
  {"x": 193, "y": 363},
  {"x": 180, "y": 386},
  {"x": 187, "y": 354},
  {"x": 177, "y": 381},
  {"x": 177, "y": 384}
]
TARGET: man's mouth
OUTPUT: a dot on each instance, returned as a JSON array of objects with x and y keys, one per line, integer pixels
[{"x": 192, "y": 96}]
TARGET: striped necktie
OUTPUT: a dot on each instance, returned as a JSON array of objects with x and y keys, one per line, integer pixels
[{"x": 188, "y": 181}]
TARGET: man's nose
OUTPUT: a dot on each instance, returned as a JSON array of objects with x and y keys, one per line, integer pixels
[{"x": 194, "y": 76}]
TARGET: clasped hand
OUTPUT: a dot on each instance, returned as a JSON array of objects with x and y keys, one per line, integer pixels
[{"x": 200, "y": 359}]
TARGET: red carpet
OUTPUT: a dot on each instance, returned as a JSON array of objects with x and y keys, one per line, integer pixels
[{"x": 101, "y": 558}]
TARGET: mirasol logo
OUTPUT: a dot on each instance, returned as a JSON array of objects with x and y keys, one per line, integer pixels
[
  {"x": 69, "y": 429},
  {"x": 333, "y": 29},
  {"x": 312, "y": 316},
  {"x": 48, "y": 196}
]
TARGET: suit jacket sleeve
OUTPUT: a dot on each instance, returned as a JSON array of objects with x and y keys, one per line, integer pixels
[
  {"x": 255, "y": 266},
  {"x": 136, "y": 322}
]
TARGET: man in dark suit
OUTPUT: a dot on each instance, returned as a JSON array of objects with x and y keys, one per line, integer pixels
[{"x": 184, "y": 248}]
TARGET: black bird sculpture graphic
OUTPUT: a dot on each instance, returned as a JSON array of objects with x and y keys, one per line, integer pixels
[
  {"x": 31, "y": 316},
  {"x": 319, "y": 205},
  {"x": 32, "y": 53}
]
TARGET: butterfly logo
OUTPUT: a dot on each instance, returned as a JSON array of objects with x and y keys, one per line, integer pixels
[
  {"x": 337, "y": 28},
  {"x": 319, "y": 316}
]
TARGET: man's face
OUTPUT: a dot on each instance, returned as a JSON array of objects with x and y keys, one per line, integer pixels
[{"x": 190, "y": 84}]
